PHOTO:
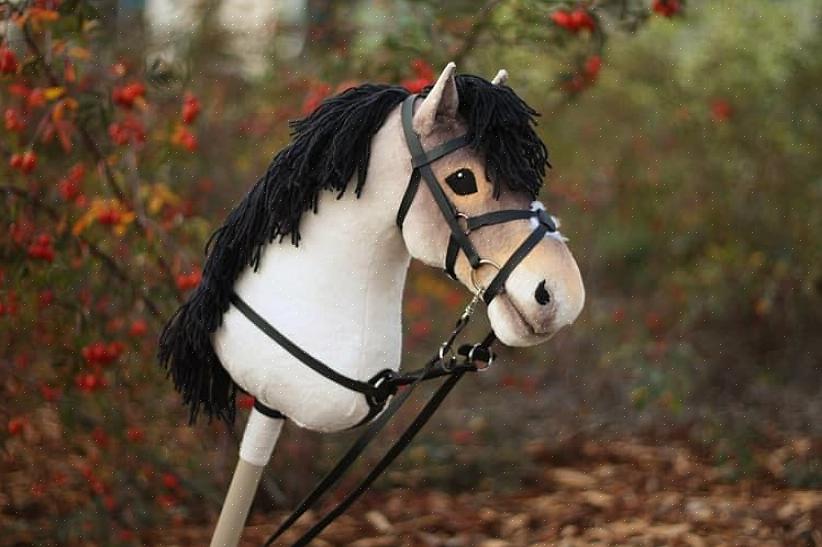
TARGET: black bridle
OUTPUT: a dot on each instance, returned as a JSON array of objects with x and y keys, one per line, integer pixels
[
  {"x": 386, "y": 383},
  {"x": 459, "y": 241}
]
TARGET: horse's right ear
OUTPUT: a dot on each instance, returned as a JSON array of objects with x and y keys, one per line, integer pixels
[
  {"x": 501, "y": 77},
  {"x": 441, "y": 103}
]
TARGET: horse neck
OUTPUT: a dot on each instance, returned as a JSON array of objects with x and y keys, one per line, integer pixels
[{"x": 339, "y": 293}]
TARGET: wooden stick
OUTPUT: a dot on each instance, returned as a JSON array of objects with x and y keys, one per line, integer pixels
[{"x": 260, "y": 436}]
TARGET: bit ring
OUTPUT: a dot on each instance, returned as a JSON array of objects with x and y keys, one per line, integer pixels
[{"x": 473, "y": 275}]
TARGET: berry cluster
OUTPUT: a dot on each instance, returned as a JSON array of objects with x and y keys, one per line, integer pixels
[
  {"x": 69, "y": 186},
  {"x": 100, "y": 353},
  {"x": 128, "y": 95},
  {"x": 42, "y": 248},
  {"x": 188, "y": 281},
  {"x": 423, "y": 76},
  {"x": 8, "y": 61},
  {"x": 25, "y": 162},
  {"x": 575, "y": 20},
  {"x": 667, "y": 8}
]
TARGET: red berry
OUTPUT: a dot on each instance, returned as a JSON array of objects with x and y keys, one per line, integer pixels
[
  {"x": 36, "y": 98},
  {"x": 245, "y": 401},
  {"x": 8, "y": 61},
  {"x": 562, "y": 19},
  {"x": 580, "y": 19},
  {"x": 188, "y": 281},
  {"x": 127, "y": 95},
  {"x": 100, "y": 437},
  {"x": 423, "y": 70},
  {"x": 170, "y": 481},
  {"x": 127, "y": 131},
  {"x": 14, "y": 120},
  {"x": 42, "y": 248},
  {"x": 89, "y": 382},
  {"x": 593, "y": 66},
  {"x": 16, "y": 425},
  {"x": 315, "y": 96},
  {"x": 166, "y": 501},
  {"x": 138, "y": 328},
  {"x": 16, "y": 161},
  {"x": 45, "y": 298},
  {"x": 28, "y": 162},
  {"x": 135, "y": 434},
  {"x": 191, "y": 108},
  {"x": 721, "y": 110},
  {"x": 667, "y": 8},
  {"x": 50, "y": 393}
]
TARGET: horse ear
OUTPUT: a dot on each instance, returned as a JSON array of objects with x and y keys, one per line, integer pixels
[
  {"x": 442, "y": 102},
  {"x": 501, "y": 77}
]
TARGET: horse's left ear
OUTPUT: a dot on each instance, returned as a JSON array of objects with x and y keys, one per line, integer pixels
[{"x": 441, "y": 103}]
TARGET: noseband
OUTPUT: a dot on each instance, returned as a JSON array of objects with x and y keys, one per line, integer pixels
[{"x": 459, "y": 241}]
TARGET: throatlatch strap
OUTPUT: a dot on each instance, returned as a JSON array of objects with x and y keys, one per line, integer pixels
[
  {"x": 408, "y": 197},
  {"x": 298, "y": 353}
]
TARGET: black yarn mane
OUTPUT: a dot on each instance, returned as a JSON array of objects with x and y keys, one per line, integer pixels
[{"x": 328, "y": 148}]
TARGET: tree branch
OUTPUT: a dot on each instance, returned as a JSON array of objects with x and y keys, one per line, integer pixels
[
  {"x": 107, "y": 260},
  {"x": 96, "y": 153}
]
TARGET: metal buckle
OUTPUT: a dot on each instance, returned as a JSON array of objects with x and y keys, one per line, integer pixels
[
  {"x": 487, "y": 365},
  {"x": 377, "y": 382},
  {"x": 473, "y": 275}
]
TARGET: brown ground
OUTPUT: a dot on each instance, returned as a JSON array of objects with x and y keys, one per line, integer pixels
[{"x": 615, "y": 493}]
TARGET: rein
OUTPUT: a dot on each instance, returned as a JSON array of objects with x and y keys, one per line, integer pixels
[{"x": 444, "y": 363}]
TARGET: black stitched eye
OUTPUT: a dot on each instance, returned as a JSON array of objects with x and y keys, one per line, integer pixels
[{"x": 462, "y": 182}]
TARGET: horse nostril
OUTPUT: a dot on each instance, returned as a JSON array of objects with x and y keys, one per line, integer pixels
[{"x": 542, "y": 295}]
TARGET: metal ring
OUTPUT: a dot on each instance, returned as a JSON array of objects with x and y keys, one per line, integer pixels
[
  {"x": 487, "y": 364},
  {"x": 473, "y": 275},
  {"x": 445, "y": 349},
  {"x": 463, "y": 215}
]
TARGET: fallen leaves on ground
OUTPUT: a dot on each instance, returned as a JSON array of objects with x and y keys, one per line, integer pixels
[{"x": 615, "y": 493}]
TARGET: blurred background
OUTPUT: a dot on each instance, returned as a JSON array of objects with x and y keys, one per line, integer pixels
[{"x": 687, "y": 175}]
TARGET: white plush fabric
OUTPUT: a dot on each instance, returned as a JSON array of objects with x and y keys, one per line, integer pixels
[
  {"x": 538, "y": 206},
  {"x": 338, "y": 296}
]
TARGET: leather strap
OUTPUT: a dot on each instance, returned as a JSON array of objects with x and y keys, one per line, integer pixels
[
  {"x": 408, "y": 197},
  {"x": 451, "y": 257},
  {"x": 499, "y": 217},
  {"x": 439, "y": 151},
  {"x": 349, "y": 457},
  {"x": 498, "y": 283},
  {"x": 449, "y": 212},
  {"x": 270, "y": 412},
  {"x": 395, "y": 450},
  {"x": 292, "y": 348}
]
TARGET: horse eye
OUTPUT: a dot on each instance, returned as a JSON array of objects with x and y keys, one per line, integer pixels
[{"x": 462, "y": 182}]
